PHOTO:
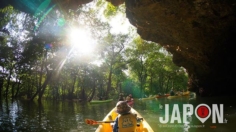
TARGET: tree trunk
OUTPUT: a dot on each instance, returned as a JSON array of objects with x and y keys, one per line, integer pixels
[
  {"x": 109, "y": 83},
  {"x": 8, "y": 83},
  {"x": 17, "y": 89},
  {"x": 12, "y": 90},
  {"x": 71, "y": 92},
  {"x": 42, "y": 89},
  {"x": 1, "y": 87},
  {"x": 93, "y": 92}
]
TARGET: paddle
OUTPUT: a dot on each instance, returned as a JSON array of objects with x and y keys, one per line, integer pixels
[{"x": 93, "y": 122}]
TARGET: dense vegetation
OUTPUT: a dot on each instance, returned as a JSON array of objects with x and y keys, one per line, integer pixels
[{"x": 38, "y": 60}]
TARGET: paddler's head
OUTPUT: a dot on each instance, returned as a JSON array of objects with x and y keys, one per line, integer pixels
[
  {"x": 128, "y": 98},
  {"x": 122, "y": 107}
]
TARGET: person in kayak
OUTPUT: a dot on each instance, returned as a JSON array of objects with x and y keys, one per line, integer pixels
[
  {"x": 121, "y": 97},
  {"x": 131, "y": 97},
  {"x": 172, "y": 93},
  {"x": 130, "y": 100},
  {"x": 125, "y": 121}
]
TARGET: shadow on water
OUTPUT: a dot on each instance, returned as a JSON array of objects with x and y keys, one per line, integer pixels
[{"x": 66, "y": 116}]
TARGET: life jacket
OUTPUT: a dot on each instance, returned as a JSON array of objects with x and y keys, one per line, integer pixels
[{"x": 127, "y": 123}]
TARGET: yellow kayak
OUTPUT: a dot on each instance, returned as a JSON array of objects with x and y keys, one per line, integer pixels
[
  {"x": 177, "y": 96},
  {"x": 186, "y": 93},
  {"x": 180, "y": 95},
  {"x": 150, "y": 97},
  {"x": 106, "y": 127},
  {"x": 100, "y": 101},
  {"x": 173, "y": 97}
]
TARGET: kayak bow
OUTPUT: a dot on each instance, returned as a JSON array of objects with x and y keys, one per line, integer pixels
[{"x": 143, "y": 126}]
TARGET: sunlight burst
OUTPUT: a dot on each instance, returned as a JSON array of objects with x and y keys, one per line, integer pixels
[{"x": 81, "y": 41}]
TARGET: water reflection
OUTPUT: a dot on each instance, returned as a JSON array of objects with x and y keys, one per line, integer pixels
[{"x": 65, "y": 116}]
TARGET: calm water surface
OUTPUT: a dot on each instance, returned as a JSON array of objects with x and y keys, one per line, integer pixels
[{"x": 66, "y": 116}]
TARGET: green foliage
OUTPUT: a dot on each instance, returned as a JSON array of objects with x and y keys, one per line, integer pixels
[
  {"x": 100, "y": 3},
  {"x": 129, "y": 86},
  {"x": 6, "y": 15},
  {"x": 7, "y": 9},
  {"x": 110, "y": 10},
  {"x": 73, "y": 75},
  {"x": 153, "y": 68}
]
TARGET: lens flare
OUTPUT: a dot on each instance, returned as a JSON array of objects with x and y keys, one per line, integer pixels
[
  {"x": 61, "y": 22},
  {"x": 42, "y": 18},
  {"x": 42, "y": 7}
]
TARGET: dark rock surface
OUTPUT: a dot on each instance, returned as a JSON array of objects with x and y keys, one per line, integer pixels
[{"x": 199, "y": 33}]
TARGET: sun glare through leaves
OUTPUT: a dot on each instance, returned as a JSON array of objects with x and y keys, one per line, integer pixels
[{"x": 81, "y": 41}]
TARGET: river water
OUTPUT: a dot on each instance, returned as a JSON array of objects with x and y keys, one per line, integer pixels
[{"x": 68, "y": 116}]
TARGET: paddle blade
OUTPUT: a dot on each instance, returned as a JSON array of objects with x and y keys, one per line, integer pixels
[
  {"x": 93, "y": 122},
  {"x": 90, "y": 122}
]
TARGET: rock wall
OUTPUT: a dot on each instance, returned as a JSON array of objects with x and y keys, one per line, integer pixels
[{"x": 199, "y": 33}]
